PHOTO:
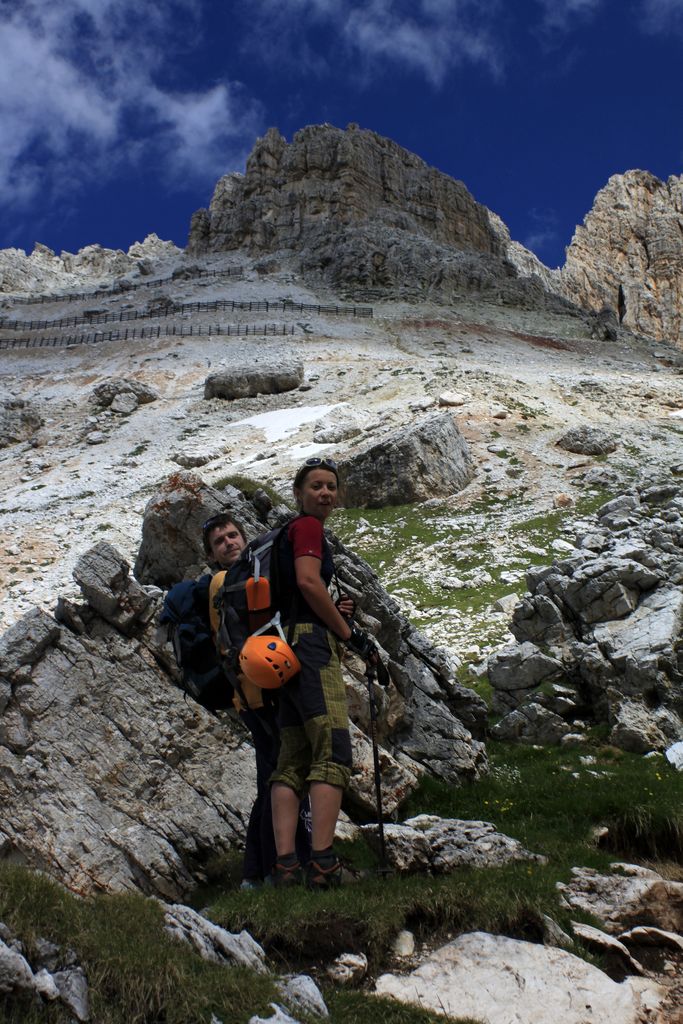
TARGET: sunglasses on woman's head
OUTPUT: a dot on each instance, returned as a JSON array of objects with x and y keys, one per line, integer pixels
[{"x": 323, "y": 463}]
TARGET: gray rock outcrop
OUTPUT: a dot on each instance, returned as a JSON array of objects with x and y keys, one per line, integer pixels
[
  {"x": 109, "y": 390},
  {"x": 609, "y": 620},
  {"x": 627, "y": 254},
  {"x": 212, "y": 942},
  {"x": 171, "y": 547},
  {"x": 43, "y": 270},
  {"x": 43, "y": 979},
  {"x": 103, "y": 576},
  {"x": 585, "y": 440},
  {"x": 635, "y": 896},
  {"x": 109, "y": 779},
  {"x": 440, "y": 845},
  {"x": 431, "y": 459},
  {"x": 327, "y": 179},
  {"x": 255, "y": 379},
  {"x": 19, "y": 421}
]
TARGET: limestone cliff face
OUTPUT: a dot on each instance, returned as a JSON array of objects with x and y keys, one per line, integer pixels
[
  {"x": 338, "y": 178},
  {"x": 628, "y": 254},
  {"x": 365, "y": 216}
]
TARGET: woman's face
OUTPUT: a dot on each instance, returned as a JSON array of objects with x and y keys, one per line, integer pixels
[{"x": 317, "y": 495}]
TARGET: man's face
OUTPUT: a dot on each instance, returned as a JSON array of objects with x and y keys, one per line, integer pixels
[{"x": 225, "y": 543}]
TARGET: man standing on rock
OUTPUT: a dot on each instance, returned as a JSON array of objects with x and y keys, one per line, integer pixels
[{"x": 224, "y": 539}]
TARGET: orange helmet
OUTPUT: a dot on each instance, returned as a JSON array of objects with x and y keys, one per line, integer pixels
[{"x": 268, "y": 662}]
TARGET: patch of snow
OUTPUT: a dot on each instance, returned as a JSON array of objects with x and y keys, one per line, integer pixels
[{"x": 281, "y": 422}]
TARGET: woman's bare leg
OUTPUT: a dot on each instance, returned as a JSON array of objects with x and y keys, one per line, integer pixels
[
  {"x": 325, "y": 806},
  {"x": 285, "y": 804}
]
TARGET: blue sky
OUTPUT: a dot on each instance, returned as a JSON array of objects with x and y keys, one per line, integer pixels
[{"x": 117, "y": 117}]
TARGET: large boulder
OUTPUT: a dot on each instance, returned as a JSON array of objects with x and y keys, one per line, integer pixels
[
  {"x": 585, "y": 440},
  {"x": 634, "y": 896},
  {"x": 440, "y": 845},
  {"x": 19, "y": 421},
  {"x": 107, "y": 392},
  {"x": 499, "y": 980},
  {"x": 255, "y": 379},
  {"x": 171, "y": 548},
  {"x": 532, "y": 723},
  {"x": 102, "y": 575},
  {"x": 428, "y": 460},
  {"x": 519, "y": 669},
  {"x": 109, "y": 778}
]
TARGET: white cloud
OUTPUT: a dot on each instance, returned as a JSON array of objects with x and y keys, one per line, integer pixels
[
  {"x": 559, "y": 16},
  {"x": 79, "y": 96},
  {"x": 661, "y": 15},
  {"x": 426, "y": 37}
]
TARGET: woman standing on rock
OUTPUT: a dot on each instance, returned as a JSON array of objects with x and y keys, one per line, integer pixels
[{"x": 315, "y": 751}]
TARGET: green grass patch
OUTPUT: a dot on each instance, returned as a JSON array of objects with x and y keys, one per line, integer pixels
[
  {"x": 136, "y": 972},
  {"x": 299, "y": 928},
  {"x": 419, "y": 551},
  {"x": 545, "y": 797},
  {"x": 552, "y": 802},
  {"x": 248, "y": 487},
  {"x": 355, "y": 1008}
]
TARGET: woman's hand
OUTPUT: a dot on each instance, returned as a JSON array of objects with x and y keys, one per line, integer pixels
[{"x": 346, "y": 606}]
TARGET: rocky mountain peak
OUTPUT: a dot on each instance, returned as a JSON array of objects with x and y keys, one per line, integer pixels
[
  {"x": 627, "y": 254},
  {"x": 44, "y": 270},
  {"x": 340, "y": 178}
]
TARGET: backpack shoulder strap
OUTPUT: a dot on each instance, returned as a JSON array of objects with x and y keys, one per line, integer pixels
[{"x": 217, "y": 581}]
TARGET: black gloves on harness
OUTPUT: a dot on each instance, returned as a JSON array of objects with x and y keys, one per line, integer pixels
[
  {"x": 366, "y": 648},
  {"x": 361, "y": 644}
]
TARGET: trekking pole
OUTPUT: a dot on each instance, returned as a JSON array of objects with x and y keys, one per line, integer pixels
[{"x": 370, "y": 676}]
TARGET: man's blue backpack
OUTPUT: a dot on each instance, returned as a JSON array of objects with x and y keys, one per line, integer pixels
[{"x": 185, "y": 614}]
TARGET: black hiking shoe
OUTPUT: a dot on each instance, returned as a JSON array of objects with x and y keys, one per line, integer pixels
[
  {"x": 323, "y": 873},
  {"x": 285, "y": 873}
]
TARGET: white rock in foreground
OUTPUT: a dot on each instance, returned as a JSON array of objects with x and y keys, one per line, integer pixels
[
  {"x": 428, "y": 842},
  {"x": 497, "y": 980},
  {"x": 621, "y": 901},
  {"x": 674, "y": 756},
  {"x": 212, "y": 942}
]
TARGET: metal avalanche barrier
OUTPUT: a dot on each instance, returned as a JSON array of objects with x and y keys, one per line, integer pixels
[
  {"x": 175, "y": 309},
  {"x": 133, "y": 333}
]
